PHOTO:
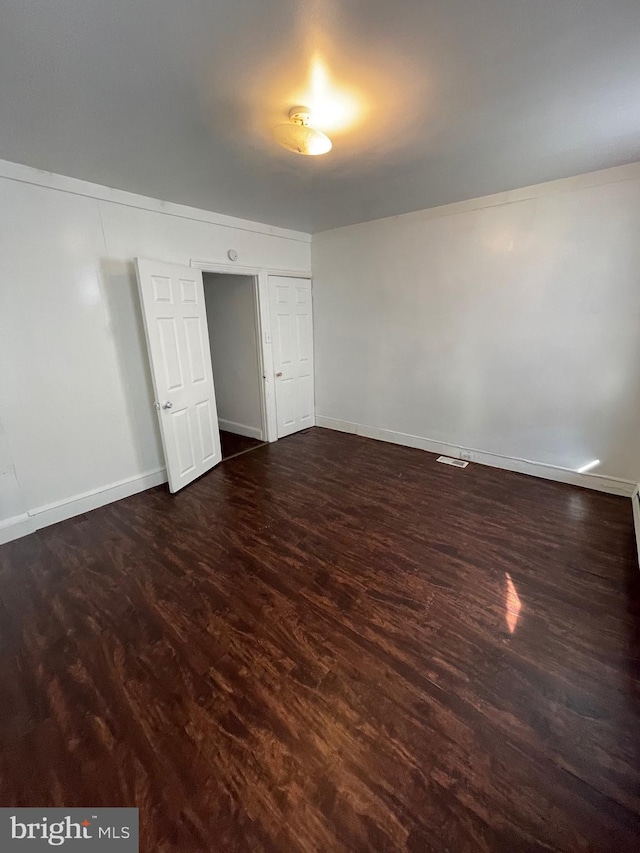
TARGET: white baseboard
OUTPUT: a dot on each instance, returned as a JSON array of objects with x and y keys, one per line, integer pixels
[
  {"x": 16, "y": 527},
  {"x": 611, "y": 485},
  {"x": 240, "y": 429},
  {"x": 635, "y": 500},
  {"x": 43, "y": 516}
]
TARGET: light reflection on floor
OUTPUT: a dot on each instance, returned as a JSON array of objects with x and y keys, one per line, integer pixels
[{"x": 513, "y": 605}]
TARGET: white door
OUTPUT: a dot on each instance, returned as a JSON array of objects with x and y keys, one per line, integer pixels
[
  {"x": 175, "y": 324},
  {"x": 291, "y": 320}
]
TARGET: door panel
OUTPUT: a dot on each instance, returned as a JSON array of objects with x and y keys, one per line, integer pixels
[
  {"x": 205, "y": 426},
  {"x": 291, "y": 316},
  {"x": 304, "y": 337},
  {"x": 195, "y": 350},
  {"x": 183, "y": 440},
  {"x": 175, "y": 323},
  {"x": 284, "y": 337},
  {"x": 169, "y": 350}
]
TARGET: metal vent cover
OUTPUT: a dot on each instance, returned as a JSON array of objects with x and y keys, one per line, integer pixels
[{"x": 457, "y": 463}]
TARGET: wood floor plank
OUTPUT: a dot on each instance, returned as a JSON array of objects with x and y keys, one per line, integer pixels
[{"x": 334, "y": 644}]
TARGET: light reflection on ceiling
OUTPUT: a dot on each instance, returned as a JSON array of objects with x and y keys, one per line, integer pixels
[
  {"x": 369, "y": 101},
  {"x": 334, "y": 107},
  {"x": 428, "y": 104}
]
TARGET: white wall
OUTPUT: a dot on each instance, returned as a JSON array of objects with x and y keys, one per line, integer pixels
[
  {"x": 509, "y": 324},
  {"x": 77, "y": 425},
  {"x": 231, "y": 317}
]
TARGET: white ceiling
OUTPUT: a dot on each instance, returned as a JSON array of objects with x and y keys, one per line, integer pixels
[{"x": 175, "y": 99}]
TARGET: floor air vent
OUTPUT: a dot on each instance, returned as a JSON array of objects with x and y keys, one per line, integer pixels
[{"x": 457, "y": 463}]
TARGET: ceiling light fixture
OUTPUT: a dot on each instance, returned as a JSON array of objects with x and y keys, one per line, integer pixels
[{"x": 298, "y": 136}]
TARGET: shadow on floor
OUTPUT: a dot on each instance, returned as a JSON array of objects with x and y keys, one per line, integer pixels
[{"x": 233, "y": 444}]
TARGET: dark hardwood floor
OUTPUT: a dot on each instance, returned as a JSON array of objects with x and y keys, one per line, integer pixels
[
  {"x": 332, "y": 644},
  {"x": 233, "y": 444}
]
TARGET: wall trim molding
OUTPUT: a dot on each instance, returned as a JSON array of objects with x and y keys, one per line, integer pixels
[
  {"x": 635, "y": 501},
  {"x": 28, "y": 522},
  {"x": 611, "y": 485},
  {"x": 75, "y": 186},
  {"x": 240, "y": 429},
  {"x": 43, "y": 516},
  {"x": 234, "y": 269},
  {"x": 586, "y": 180},
  {"x": 15, "y": 527}
]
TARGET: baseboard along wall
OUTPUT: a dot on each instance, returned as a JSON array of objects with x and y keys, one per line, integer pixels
[
  {"x": 36, "y": 519},
  {"x": 636, "y": 518},
  {"x": 240, "y": 429},
  {"x": 611, "y": 485}
]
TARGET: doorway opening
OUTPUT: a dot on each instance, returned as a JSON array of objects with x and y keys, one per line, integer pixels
[
  {"x": 231, "y": 302},
  {"x": 275, "y": 330}
]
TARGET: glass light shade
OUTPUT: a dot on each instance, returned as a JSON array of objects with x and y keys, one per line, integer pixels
[{"x": 302, "y": 139}]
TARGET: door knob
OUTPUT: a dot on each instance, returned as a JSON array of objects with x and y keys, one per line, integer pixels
[
  {"x": 279, "y": 374},
  {"x": 167, "y": 405}
]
